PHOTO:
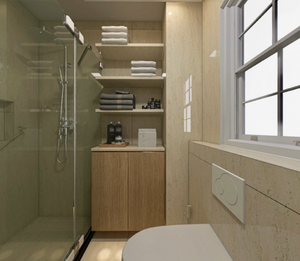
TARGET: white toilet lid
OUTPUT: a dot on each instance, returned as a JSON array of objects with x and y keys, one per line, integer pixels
[{"x": 176, "y": 243}]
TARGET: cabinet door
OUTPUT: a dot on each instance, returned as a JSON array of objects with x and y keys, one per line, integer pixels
[
  {"x": 146, "y": 190},
  {"x": 109, "y": 191}
]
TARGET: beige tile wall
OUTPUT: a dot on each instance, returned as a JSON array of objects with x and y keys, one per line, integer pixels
[
  {"x": 272, "y": 229},
  {"x": 183, "y": 59},
  {"x": 211, "y": 71}
]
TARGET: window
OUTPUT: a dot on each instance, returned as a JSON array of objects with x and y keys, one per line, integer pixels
[{"x": 260, "y": 89}]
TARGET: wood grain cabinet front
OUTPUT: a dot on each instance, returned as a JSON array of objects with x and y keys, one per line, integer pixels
[
  {"x": 128, "y": 190},
  {"x": 109, "y": 191}
]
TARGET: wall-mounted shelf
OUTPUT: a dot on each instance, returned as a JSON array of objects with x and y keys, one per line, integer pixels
[
  {"x": 130, "y": 82},
  {"x": 131, "y": 51},
  {"x": 133, "y": 112}
]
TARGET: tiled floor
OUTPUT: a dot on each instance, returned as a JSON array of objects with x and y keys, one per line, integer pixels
[
  {"x": 45, "y": 239},
  {"x": 106, "y": 246}
]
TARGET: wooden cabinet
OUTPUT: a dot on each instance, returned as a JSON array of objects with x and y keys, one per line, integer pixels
[
  {"x": 128, "y": 190},
  {"x": 109, "y": 191},
  {"x": 146, "y": 190}
]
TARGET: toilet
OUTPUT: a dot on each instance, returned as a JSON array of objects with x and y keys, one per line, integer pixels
[{"x": 175, "y": 243}]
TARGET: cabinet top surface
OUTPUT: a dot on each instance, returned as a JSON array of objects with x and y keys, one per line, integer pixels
[{"x": 130, "y": 148}]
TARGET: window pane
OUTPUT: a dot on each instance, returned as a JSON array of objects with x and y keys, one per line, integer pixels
[
  {"x": 291, "y": 107},
  {"x": 258, "y": 38},
  {"x": 252, "y": 9},
  {"x": 291, "y": 65},
  {"x": 288, "y": 16},
  {"x": 261, "y": 117},
  {"x": 261, "y": 79}
]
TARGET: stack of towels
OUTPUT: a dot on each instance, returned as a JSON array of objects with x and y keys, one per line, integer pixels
[
  {"x": 143, "y": 68},
  {"x": 117, "y": 101},
  {"x": 114, "y": 35}
]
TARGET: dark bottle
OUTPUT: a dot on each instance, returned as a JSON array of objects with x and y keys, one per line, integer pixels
[
  {"x": 118, "y": 132},
  {"x": 110, "y": 133},
  {"x": 152, "y": 103}
]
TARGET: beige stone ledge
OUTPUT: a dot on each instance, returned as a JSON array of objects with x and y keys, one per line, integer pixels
[{"x": 284, "y": 162}]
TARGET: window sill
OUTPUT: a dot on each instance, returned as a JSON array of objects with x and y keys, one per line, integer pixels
[{"x": 239, "y": 147}]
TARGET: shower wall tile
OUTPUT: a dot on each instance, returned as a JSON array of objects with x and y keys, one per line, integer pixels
[
  {"x": 183, "y": 60},
  {"x": 272, "y": 229},
  {"x": 19, "y": 159}
]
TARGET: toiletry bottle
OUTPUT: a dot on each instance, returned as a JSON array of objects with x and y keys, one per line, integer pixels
[
  {"x": 152, "y": 103},
  {"x": 118, "y": 132},
  {"x": 110, "y": 133}
]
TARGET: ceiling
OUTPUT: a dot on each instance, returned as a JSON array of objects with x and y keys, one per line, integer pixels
[
  {"x": 98, "y": 10},
  {"x": 113, "y": 11}
]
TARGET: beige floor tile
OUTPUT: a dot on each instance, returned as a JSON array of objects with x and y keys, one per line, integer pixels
[{"x": 106, "y": 247}]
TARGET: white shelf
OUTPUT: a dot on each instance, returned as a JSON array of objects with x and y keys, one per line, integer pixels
[
  {"x": 130, "y": 82},
  {"x": 133, "y": 112},
  {"x": 130, "y": 148},
  {"x": 131, "y": 51}
]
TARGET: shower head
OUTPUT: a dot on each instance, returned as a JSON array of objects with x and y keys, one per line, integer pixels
[{"x": 40, "y": 35}]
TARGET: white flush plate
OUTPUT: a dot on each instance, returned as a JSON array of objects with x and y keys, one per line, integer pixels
[{"x": 230, "y": 190}]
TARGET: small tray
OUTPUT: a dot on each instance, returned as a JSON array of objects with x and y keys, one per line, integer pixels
[{"x": 105, "y": 145}]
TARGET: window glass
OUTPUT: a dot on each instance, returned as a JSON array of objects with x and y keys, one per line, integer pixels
[
  {"x": 252, "y": 9},
  {"x": 261, "y": 79},
  {"x": 288, "y": 16},
  {"x": 261, "y": 117},
  {"x": 258, "y": 38},
  {"x": 291, "y": 105},
  {"x": 291, "y": 65}
]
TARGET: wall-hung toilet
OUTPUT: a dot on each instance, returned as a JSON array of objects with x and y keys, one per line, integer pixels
[{"x": 176, "y": 243}]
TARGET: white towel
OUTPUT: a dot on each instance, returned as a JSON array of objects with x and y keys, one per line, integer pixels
[
  {"x": 114, "y": 29},
  {"x": 143, "y": 74},
  {"x": 114, "y": 41},
  {"x": 143, "y": 70},
  {"x": 114, "y": 35},
  {"x": 143, "y": 64}
]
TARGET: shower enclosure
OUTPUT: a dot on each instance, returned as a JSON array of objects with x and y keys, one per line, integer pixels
[{"x": 47, "y": 127}]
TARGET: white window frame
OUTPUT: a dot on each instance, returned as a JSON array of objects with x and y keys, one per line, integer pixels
[{"x": 231, "y": 69}]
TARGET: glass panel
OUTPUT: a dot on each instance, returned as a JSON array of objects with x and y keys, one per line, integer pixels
[
  {"x": 261, "y": 79},
  {"x": 288, "y": 16},
  {"x": 252, "y": 9},
  {"x": 261, "y": 117},
  {"x": 291, "y": 105},
  {"x": 36, "y": 200},
  {"x": 258, "y": 38},
  {"x": 291, "y": 65},
  {"x": 87, "y": 123}
]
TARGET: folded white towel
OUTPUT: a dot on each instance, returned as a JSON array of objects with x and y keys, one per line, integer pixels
[
  {"x": 114, "y": 41},
  {"x": 114, "y": 29},
  {"x": 143, "y": 64},
  {"x": 143, "y": 74},
  {"x": 143, "y": 70},
  {"x": 114, "y": 35}
]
